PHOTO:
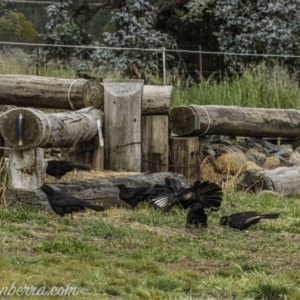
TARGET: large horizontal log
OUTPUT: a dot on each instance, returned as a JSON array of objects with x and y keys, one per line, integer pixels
[
  {"x": 282, "y": 180},
  {"x": 49, "y": 130},
  {"x": 157, "y": 99},
  {"x": 234, "y": 121},
  {"x": 102, "y": 191},
  {"x": 49, "y": 92}
]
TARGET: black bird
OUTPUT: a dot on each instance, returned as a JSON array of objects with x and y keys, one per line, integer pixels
[
  {"x": 206, "y": 193},
  {"x": 135, "y": 195},
  {"x": 243, "y": 220},
  {"x": 58, "y": 168},
  {"x": 62, "y": 203},
  {"x": 196, "y": 217}
]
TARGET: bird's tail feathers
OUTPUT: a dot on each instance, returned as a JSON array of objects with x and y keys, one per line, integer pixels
[
  {"x": 209, "y": 194},
  {"x": 270, "y": 216}
]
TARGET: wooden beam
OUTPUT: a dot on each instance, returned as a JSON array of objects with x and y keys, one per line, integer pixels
[
  {"x": 49, "y": 130},
  {"x": 157, "y": 99},
  {"x": 49, "y": 92},
  {"x": 122, "y": 127},
  {"x": 196, "y": 120}
]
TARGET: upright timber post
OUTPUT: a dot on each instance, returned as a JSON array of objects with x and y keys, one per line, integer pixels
[
  {"x": 26, "y": 168},
  {"x": 185, "y": 157},
  {"x": 122, "y": 124},
  {"x": 155, "y": 147}
]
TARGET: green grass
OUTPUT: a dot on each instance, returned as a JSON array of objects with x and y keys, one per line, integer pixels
[
  {"x": 258, "y": 86},
  {"x": 148, "y": 254}
]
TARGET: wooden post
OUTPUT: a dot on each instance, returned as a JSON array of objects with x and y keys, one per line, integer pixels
[
  {"x": 185, "y": 157},
  {"x": 155, "y": 148},
  {"x": 49, "y": 130},
  {"x": 48, "y": 92},
  {"x": 199, "y": 120},
  {"x": 87, "y": 153},
  {"x": 27, "y": 169},
  {"x": 122, "y": 127}
]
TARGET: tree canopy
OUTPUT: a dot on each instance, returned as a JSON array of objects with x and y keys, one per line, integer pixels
[{"x": 229, "y": 26}]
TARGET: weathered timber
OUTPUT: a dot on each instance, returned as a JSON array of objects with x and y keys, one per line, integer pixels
[
  {"x": 87, "y": 153},
  {"x": 234, "y": 121},
  {"x": 26, "y": 169},
  {"x": 49, "y": 92},
  {"x": 185, "y": 157},
  {"x": 155, "y": 147},
  {"x": 102, "y": 191},
  {"x": 49, "y": 130},
  {"x": 122, "y": 127},
  {"x": 282, "y": 180},
  {"x": 157, "y": 99}
]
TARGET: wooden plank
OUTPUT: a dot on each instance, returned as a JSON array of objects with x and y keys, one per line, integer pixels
[
  {"x": 196, "y": 120},
  {"x": 122, "y": 127},
  {"x": 185, "y": 157},
  {"x": 155, "y": 147}
]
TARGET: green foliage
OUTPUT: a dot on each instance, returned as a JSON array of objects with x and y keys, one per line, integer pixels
[{"x": 15, "y": 27}]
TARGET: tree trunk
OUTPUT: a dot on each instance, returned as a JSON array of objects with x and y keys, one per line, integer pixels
[
  {"x": 234, "y": 121},
  {"x": 157, "y": 99},
  {"x": 102, "y": 191},
  {"x": 48, "y": 92},
  {"x": 185, "y": 157},
  {"x": 282, "y": 180},
  {"x": 155, "y": 147},
  {"x": 49, "y": 130},
  {"x": 122, "y": 128},
  {"x": 27, "y": 169}
]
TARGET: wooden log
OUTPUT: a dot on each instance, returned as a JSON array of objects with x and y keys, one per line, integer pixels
[
  {"x": 234, "y": 121},
  {"x": 157, "y": 99},
  {"x": 26, "y": 169},
  {"x": 155, "y": 147},
  {"x": 49, "y": 130},
  {"x": 49, "y": 92},
  {"x": 102, "y": 191},
  {"x": 122, "y": 127},
  {"x": 185, "y": 157},
  {"x": 282, "y": 180}
]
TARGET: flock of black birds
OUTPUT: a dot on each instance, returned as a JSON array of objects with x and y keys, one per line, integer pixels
[{"x": 197, "y": 199}]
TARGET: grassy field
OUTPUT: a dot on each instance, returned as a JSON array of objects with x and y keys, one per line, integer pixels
[{"x": 148, "y": 254}]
